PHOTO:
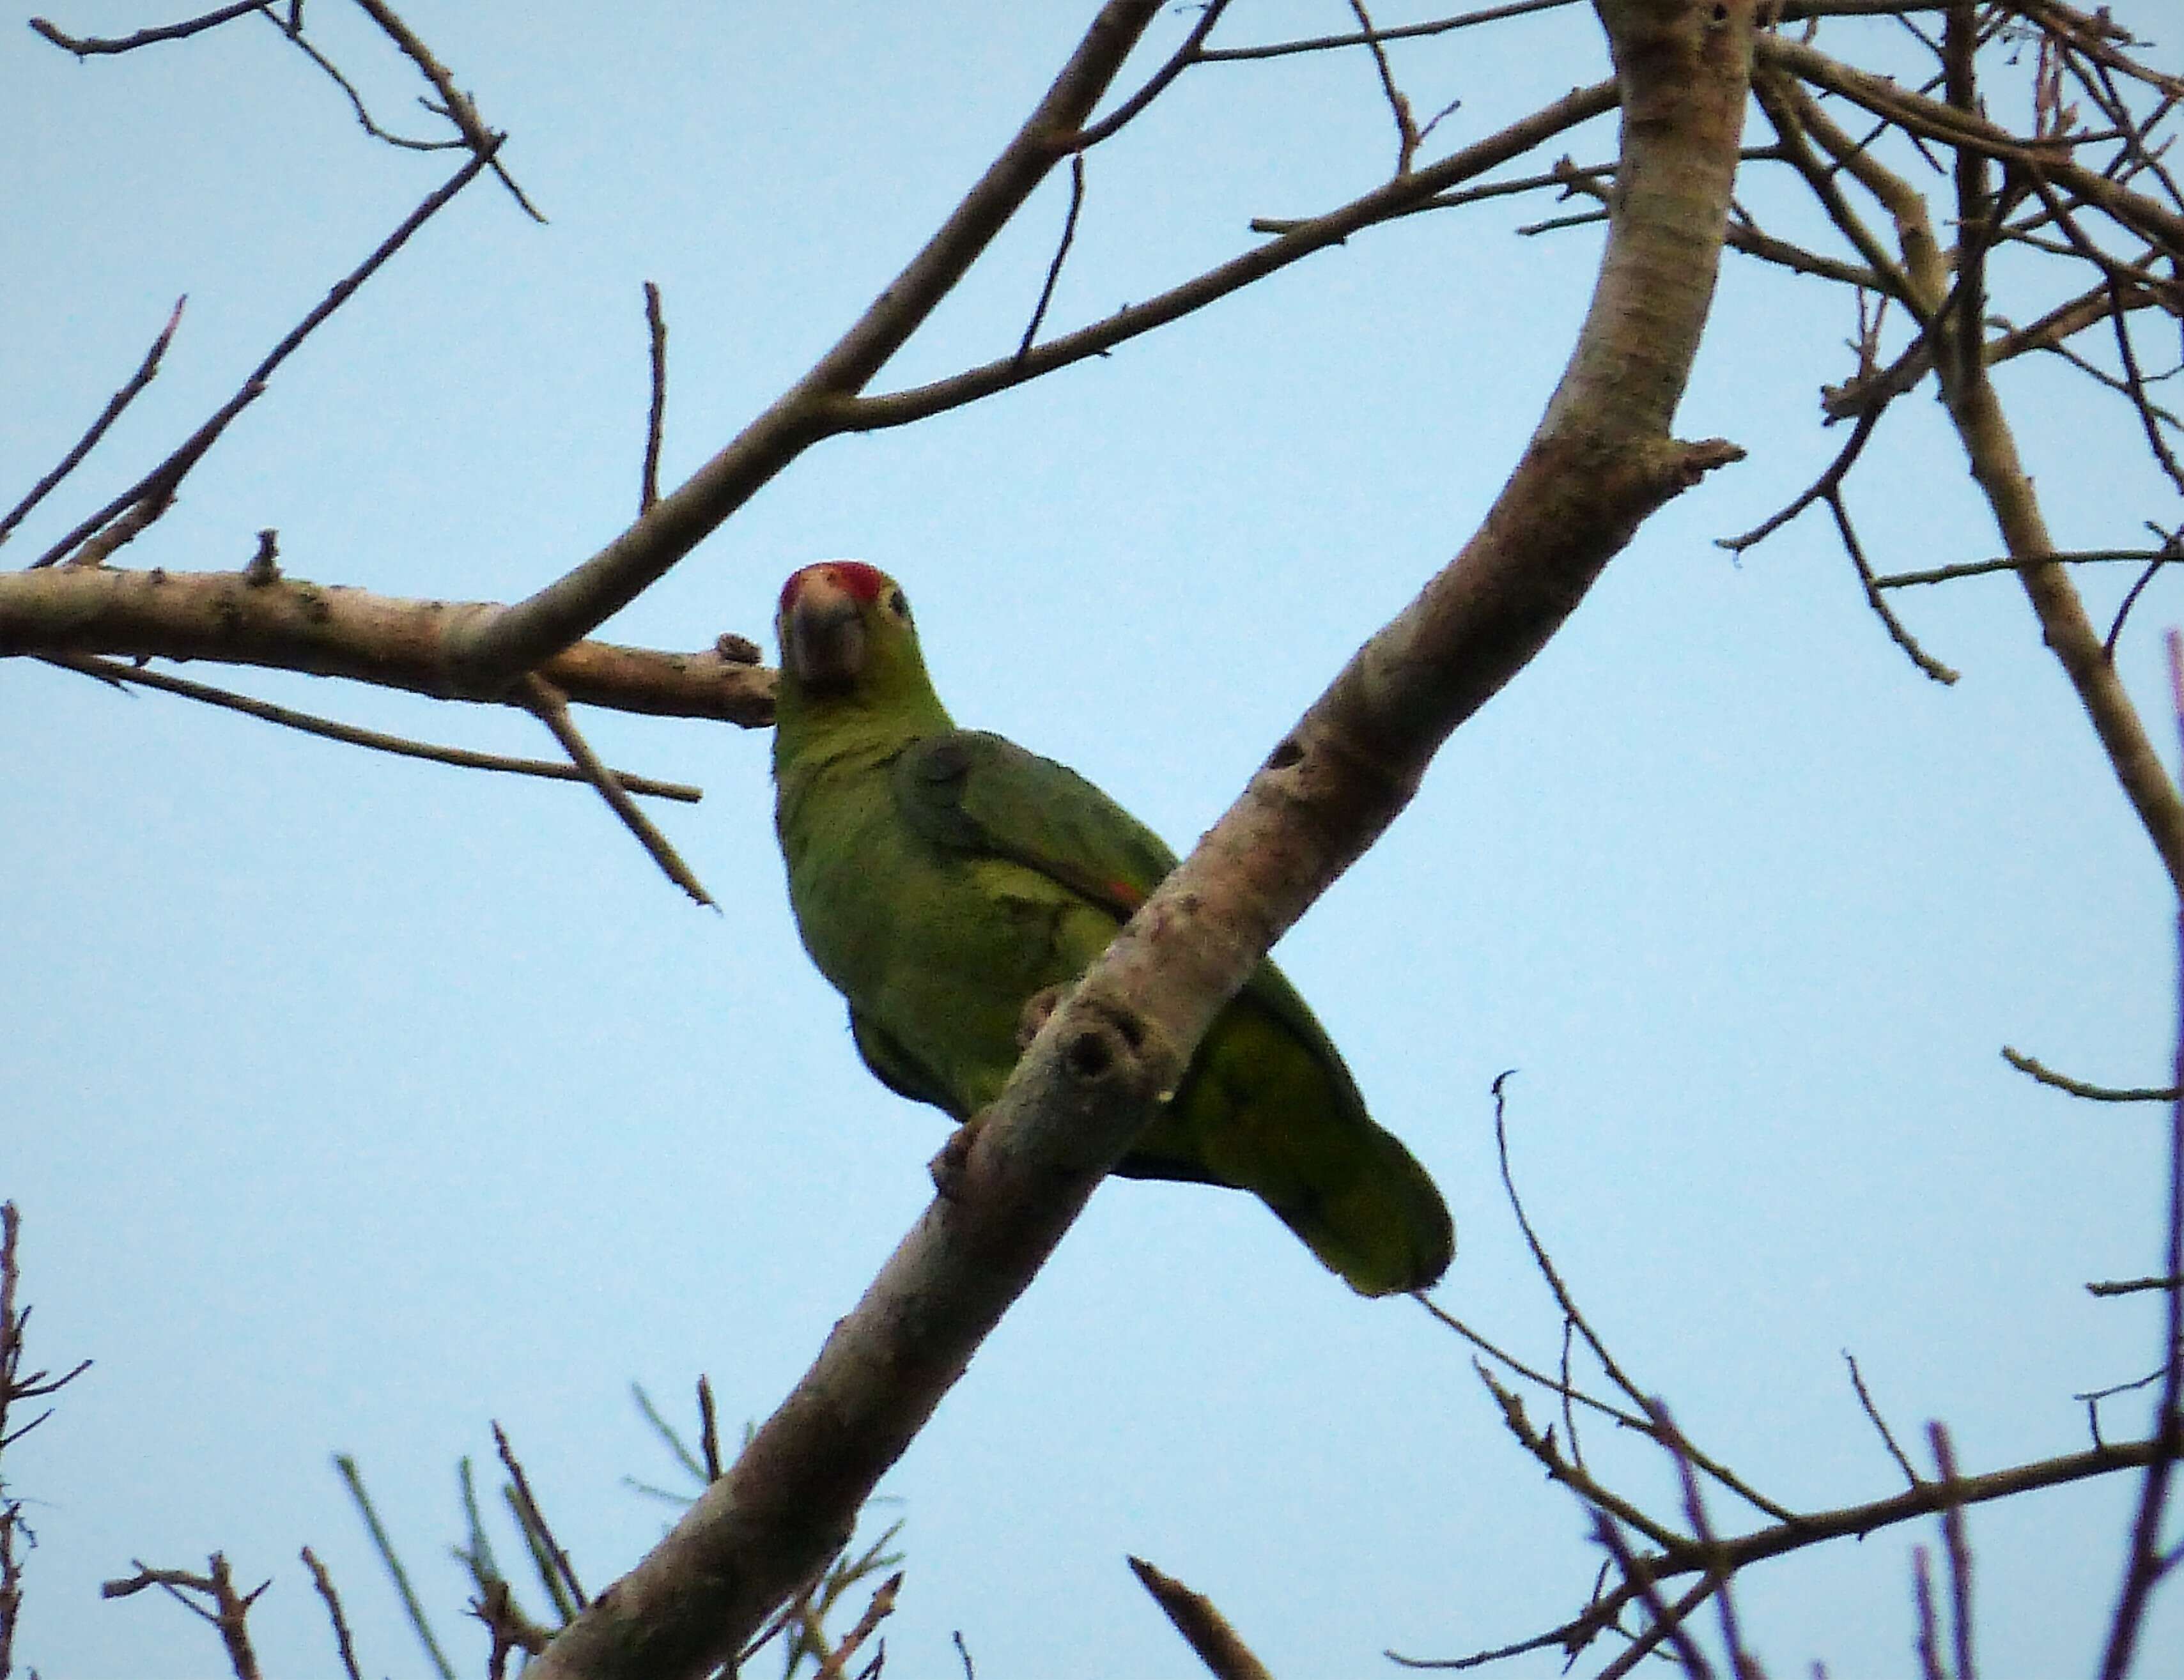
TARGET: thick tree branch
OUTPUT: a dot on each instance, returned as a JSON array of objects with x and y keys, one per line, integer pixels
[
  {"x": 327, "y": 630},
  {"x": 1601, "y": 461}
]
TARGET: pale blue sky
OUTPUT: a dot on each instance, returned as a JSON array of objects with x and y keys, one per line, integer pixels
[{"x": 354, "y": 1102}]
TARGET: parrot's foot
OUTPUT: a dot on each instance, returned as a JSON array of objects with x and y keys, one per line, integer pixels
[
  {"x": 951, "y": 1166},
  {"x": 1037, "y": 1008}
]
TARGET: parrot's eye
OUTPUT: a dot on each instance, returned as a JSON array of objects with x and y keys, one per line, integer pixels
[{"x": 897, "y": 604}]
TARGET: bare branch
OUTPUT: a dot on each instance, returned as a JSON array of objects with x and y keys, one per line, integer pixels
[
  {"x": 1873, "y": 1413},
  {"x": 1203, "y": 1627},
  {"x": 342, "y": 1643},
  {"x": 85, "y": 47},
  {"x": 455, "y": 105},
  {"x": 230, "y": 1611},
  {"x": 1601, "y": 461},
  {"x": 113, "y": 671},
  {"x": 656, "y": 323},
  {"x": 352, "y": 1478},
  {"x": 146, "y": 371},
  {"x": 2147, "y": 1561},
  {"x": 1373, "y": 38},
  {"x": 151, "y": 495},
  {"x": 551, "y": 707},
  {"x": 1061, "y": 255},
  {"x": 1903, "y": 580}
]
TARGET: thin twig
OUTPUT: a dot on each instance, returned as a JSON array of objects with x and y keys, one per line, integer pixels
[
  {"x": 1373, "y": 38},
  {"x": 709, "y": 1428},
  {"x": 1904, "y": 580},
  {"x": 230, "y": 1613},
  {"x": 1898, "y": 631},
  {"x": 1567, "y": 1302},
  {"x": 1960, "y": 1553},
  {"x": 325, "y": 1583},
  {"x": 153, "y": 493},
  {"x": 116, "y": 671},
  {"x": 648, "y": 491},
  {"x": 1180, "y": 60},
  {"x": 534, "y": 1519},
  {"x": 1872, "y": 1412},
  {"x": 1061, "y": 254},
  {"x": 2134, "y": 1286},
  {"x": 85, "y": 47},
  {"x": 2147, "y": 1561},
  {"x": 146, "y": 370},
  {"x": 395, "y": 1569},
  {"x": 1399, "y": 104},
  {"x": 551, "y": 708},
  {"x": 457, "y": 106},
  {"x": 2078, "y": 1087}
]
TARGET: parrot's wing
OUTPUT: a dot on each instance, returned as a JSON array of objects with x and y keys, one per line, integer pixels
[
  {"x": 893, "y": 1067},
  {"x": 973, "y": 792}
]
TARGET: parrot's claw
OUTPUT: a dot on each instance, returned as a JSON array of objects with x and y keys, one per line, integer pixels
[
  {"x": 1037, "y": 1009},
  {"x": 950, "y": 1168}
]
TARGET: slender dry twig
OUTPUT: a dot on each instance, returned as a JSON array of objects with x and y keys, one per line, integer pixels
[
  {"x": 835, "y": 1664},
  {"x": 1573, "y": 1317},
  {"x": 1178, "y": 62},
  {"x": 397, "y": 1571},
  {"x": 1643, "y": 1587},
  {"x": 146, "y": 371},
  {"x": 370, "y": 125},
  {"x": 151, "y": 495},
  {"x": 86, "y": 47},
  {"x": 1061, "y": 255},
  {"x": 1203, "y": 1627},
  {"x": 534, "y": 1520},
  {"x": 1399, "y": 104},
  {"x": 2078, "y": 1087},
  {"x": 1898, "y": 631},
  {"x": 342, "y": 1643},
  {"x": 709, "y": 1428},
  {"x": 1811, "y": 1528},
  {"x": 15, "y": 1385},
  {"x": 2147, "y": 1561},
  {"x": 1904, "y": 580},
  {"x": 2134, "y": 1286},
  {"x": 1873, "y": 1413},
  {"x": 229, "y": 1610},
  {"x": 113, "y": 671},
  {"x": 1373, "y": 38},
  {"x": 551, "y": 708},
  {"x": 1959, "y": 1551},
  {"x": 655, "y": 322},
  {"x": 455, "y": 105}
]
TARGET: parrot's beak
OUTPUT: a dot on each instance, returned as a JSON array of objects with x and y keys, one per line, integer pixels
[{"x": 822, "y": 637}]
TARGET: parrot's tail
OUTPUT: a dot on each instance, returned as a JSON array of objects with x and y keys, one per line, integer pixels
[{"x": 1384, "y": 1228}]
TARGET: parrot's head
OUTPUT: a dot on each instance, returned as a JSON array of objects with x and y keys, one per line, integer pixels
[{"x": 846, "y": 635}]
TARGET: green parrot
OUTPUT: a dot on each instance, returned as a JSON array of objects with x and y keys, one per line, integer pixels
[{"x": 943, "y": 878}]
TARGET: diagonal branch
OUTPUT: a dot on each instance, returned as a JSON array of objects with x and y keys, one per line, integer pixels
[{"x": 1602, "y": 460}]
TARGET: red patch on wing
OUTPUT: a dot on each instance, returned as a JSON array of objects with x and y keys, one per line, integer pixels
[
  {"x": 861, "y": 581},
  {"x": 1124, "y": 893}
]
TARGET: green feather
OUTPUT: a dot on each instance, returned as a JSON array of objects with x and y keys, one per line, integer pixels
[{"x": 943, "y": 878}]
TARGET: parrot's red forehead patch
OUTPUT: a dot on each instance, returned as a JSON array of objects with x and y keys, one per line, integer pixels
[{"x": 862, "y": 581}]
